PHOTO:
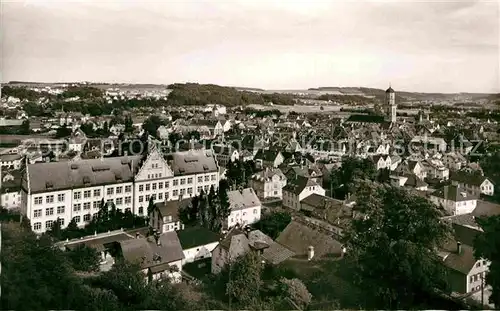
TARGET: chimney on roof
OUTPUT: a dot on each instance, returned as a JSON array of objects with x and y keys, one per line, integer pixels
[
  {"x": 459, "y": 247},
  {"x": 247, "y": 231},
  {"x": 137, "y": 235}
]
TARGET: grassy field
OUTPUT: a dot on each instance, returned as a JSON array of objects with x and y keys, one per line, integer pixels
[{"x": 329, "y": 283}]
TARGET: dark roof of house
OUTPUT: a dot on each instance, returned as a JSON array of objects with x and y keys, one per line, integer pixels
[
  {"x": 413, "y": 181},
  {"x": 486, "y": 209},
  {"x": 266, "y": 155},
  {"x": 468, "y": 178},
  {"x": 454, "y": 193},
  {"x": 322, "y": 202},
  {"x": 274, "y": 253},
  {"x": 306, "y": 171},
  {"x": 365, "y": 118},
  {"x": 171, "y": 208},
  {"x": 461, "y": 262},
  {"x": 196, "y": 236},
  {"x": 143, "y": 250},
  {"x": 298, "y": 237},
  {"x": 298, "y": 184}
]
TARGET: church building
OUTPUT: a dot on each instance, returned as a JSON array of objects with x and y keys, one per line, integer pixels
[{"x": 390, "y": 109}]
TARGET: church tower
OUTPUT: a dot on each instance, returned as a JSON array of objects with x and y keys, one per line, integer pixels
[{"x": 390, "y": 102}]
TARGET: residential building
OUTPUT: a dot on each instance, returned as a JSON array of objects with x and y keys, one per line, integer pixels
[
  {"x": 465, "y": 273},
  {"x": 382, "y": 161},
  {"x": 268, "y": 183},
  {"x": 436, "y": 169},
  {"x": 197, "y": 243},
  {"x": 473, "y": 182},
  {"x": 239, "y": 242},
  {"x": 159, "y": 257},
  {"x": 165, "y": 216},
  {"x": 454, "y": 199},
  {"x": 10, "y": 189},
  {"x": 224, "y": 154},
  {"x": 268, "y": 158},
  {"x": 311, "y": 171},
  {"x": 298, "y": 189},
  {"x": 162, "y": 132},
  {"x": 10, "y": 161},
  {"x": 245, "y": 208}
]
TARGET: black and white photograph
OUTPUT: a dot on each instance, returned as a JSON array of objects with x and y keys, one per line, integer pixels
[{"x": 249, "y": 155}]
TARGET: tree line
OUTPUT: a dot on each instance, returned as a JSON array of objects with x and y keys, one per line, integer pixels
[{"x": 209, "y": 210}]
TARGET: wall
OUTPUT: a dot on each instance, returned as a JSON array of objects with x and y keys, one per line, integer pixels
[
  {"x": 219, "y": 259},
  {"x": 199, "y": 252},
  {"x": 473, "y": 278},
  {"x": 244, "y": 216},
  {"x": 11, "y": 200}
]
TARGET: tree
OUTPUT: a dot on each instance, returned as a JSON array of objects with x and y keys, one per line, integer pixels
[
  {"x": 487, "y": 246},
  {"x": 356, "y": 169},
  {"x": 63, "y": 131},
  {"x": 295, "y": 290},
  {"x": 274, "y": 223},
  {"x": 126, "y": 282},
  {"x": 129, "y": 124},
  {"x": 189, "y": 215},
  {"x": 244, "y": 284},
  {"x": 152, "y": 124},
  {"x": 56, "y": 230},
  {"x": 151, "y": 206},
  {"x": 84, "y": 258},
  {"x": 105, "y": 128},
  {"x": 395, "y": 236},
  {"x": 31, "y": 264},
  {"x": 25, "y": 128}
]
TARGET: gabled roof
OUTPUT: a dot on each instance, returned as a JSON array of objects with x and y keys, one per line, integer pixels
[
  {"x": 298, "y": 184},
  {"x": 268, "y": 174},
  {"x": 322, "y": 202},
  {"x": 171, "y": 208},
  {"x": 468, "y": 178},
  {"x": 193, "y": 162},
  {"x": 461, "y": 262},
  {"x": 196, "y": 236},
  {"x": 266, "y": 155},
  {"x": 297, "y": 237},
  {"x": 241, "y": 199},
  {"x": 170, "y": 250},
  {"x": 454, "y": 193},
  {"x": 413, "y": 181},
  {"x": 54, "y": 176}
]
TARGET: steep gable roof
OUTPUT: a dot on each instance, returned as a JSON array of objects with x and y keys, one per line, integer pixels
[{"x": 298, "y": 184}]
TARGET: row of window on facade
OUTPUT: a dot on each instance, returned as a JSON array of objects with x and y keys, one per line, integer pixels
[
  {"x": 78, "y": 219},
  {"x": 78, "y": 206},
  {"x": 175, "y": 193},
  {"x": 175, "y": 182},
  {"x": 77, "y": 195}
]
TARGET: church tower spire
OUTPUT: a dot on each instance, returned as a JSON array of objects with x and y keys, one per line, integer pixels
[{"x": 390, "y": 103}]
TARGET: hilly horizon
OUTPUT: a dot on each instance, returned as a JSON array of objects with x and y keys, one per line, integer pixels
[{"x": 343, "y": 90}]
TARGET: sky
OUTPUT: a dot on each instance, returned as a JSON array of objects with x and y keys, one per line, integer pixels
[{"x": 422, "y": 46}]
